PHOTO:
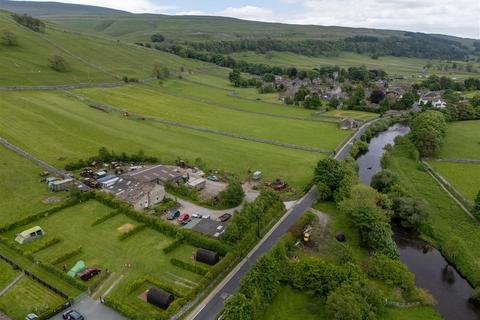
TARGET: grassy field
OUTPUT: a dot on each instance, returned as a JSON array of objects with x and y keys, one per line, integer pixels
[
  {"x": 462, "y": 141},
  {"x": 89, "y": 59},
  {"x": 360, "y": 115},
  {"x": 455, "y": 233},
  {"x": 28, "y": 296},
  {"x": 61, "y": 129},
  {"x": 7, "y": 274},
  {"x": 139, "y": 255},
  {"x": 464, "y": 177},
  {"x": 22, "y": 193},
  {"x": 148, "y": 101},
  {"x": 392, "y": 65}
]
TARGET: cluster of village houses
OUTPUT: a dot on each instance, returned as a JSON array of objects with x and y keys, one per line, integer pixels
[{"x": 330, "y": 88}]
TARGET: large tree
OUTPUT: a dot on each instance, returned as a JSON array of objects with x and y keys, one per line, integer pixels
[
  {"x": 58, "y": 63},
  {"x": 428, "y": 130},
  {"x": 9, "y": 38}
]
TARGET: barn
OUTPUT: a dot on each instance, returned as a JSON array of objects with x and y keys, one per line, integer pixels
[
  {"x": 159, "y": 297},
  {"x": 206, "y": 256}
]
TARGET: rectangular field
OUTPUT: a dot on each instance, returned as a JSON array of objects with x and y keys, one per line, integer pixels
[
  {"x": 149, "y": 101},
  {"x": 462, "y": 141},
  {"x": 22, "y": 193},
  {"x": 463, "y": 176},
  {"x": 28, "y": 296},
  {"x": 59, "y": 129}
]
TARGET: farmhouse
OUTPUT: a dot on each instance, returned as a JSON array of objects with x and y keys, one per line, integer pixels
[
  {"x": 349, "y": 123},
  {"x": 138, "y": 194},
  {"x": 434, "y": 98}
]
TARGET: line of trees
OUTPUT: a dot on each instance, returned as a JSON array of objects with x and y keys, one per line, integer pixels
[{"x": 32, "y": 23}]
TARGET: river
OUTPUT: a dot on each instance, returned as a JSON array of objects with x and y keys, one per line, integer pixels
[{"x": 430, "y": 268}]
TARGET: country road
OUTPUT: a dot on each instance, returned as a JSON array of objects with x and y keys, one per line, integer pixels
[{"x": 213, "y": 304}]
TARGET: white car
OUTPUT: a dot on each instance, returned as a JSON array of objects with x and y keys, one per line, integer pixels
[
  {"x": 206, "y": 217},
  {"x": 196, "y": 215}
]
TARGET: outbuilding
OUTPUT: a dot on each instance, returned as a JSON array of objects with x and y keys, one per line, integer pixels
[
  {"x": 159, "y": 297},
  {"x": 61, "y": 185},
  {"x": 107, "y": 181},
  {"x": 198, "y": 184},
  {"x": 207, "y": 256},
  {"x": 29, "y": 235}
]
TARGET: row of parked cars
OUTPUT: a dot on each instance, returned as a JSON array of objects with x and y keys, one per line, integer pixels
[{"x": 185, "y": 218}]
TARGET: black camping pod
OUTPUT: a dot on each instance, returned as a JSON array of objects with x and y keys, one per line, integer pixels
[
  {"x": 159, "y": 297},
  {"x": 206, "y": 256}
]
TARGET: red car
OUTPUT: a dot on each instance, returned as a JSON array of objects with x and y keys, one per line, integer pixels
[
  {"x": 89, "y": 273},
  {"x": 183, "y": 217}
]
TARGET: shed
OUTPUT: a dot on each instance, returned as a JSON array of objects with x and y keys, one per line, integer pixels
[
  {"x": 29, "y": 235},
  {"x": 159, "y": 297},
  {"x": 61, "y": 185},
  {"x": 198, "y": 184},
  {"x": 107, "y": 181},
  {"x": 206, "y": 256}
]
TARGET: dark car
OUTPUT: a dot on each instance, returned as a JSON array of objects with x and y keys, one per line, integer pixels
[
  {"x": 224, "y": 217},
  {"x": 172, "y": 215},
  {"x": 72, "y": 315},
  {"x": 89, "y": 273}
]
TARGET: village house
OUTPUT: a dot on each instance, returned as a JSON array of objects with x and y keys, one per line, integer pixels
[
  {"x": 349, "y": 123},
  {"x": 434, "y": 98}
]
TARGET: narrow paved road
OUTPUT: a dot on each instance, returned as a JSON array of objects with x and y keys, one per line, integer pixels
[{"x": 213, "y": 304}]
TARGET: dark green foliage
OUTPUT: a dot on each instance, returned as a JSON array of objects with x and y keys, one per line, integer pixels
[
  {"x": 376, "y": 96},
  {"x": 8, "y": 38},
  {"x": 232, "y": 196},
  {"x": 462, "y": 111},
  {"x": 301, "y": 93},
  {"x": 356, "y": 301},
  {"x": 331, "y": 173},
  {"x": 157, "y": 37},
  {"x": 312, "y": 102},
  {"x": 105, "y": 156},
  {"x": 428, "y": 130},
  {"x": 189, "y": 266},
  {"x": 25, "y": 20},
  {"x": 265, "y": 208},
  {"x": 393, "y": 272},
  {"x": 476, "y": 205},
  {"x": 412, "y": 212},
  {"x": 238, "y": 307},
  {"x": 160, "y": 71},
  {"x": 358, "y": 148},
  {"x": 368, "y": 211},
  {"x": 384, "y": 180},
  {"x": 42, "y": 244},
  {"x": 58, "y": 63},
  {"x": 238, "y": 80},
  {"x": 406, "y": 101},
  {"x": 475, "y": 295}
]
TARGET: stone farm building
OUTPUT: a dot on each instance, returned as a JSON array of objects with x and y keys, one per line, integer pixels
[{"x": 143, "y": 187}]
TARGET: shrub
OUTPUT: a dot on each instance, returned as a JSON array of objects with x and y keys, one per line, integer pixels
[
  {"x": 358, "y": 148},
  {"x": 8, "y": 38},
  {"x": 189, "y": 266},
  {"x": 105, "y": 217},
  {"x": 384, "y": 180},
  {"x": 132, "y": 231},
  {"x": 393, "y": 272},
  {"x": 172, "y": 246},
  {"x": 58, "y": 63}
]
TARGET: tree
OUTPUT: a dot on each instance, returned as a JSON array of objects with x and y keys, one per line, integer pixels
[
  {"x": 157, "y": 38},
  {"x": 475, "y": 101},
  {"x": 9, "y": 38},
  {"x": 428, "y": 130},
  {"x": 301, "y": 93},
  {"x": 331, "y": 173},
  {"x": 384, "y": 180},
  {"x": 233, "y": 195},
  {"x": 235, "y": 77},
  {"x": 312, "y": 101},
  {"x": 58, "y": 63},
  {"x": 334, "y": 102},
  {"x": 376, "y": 96},
  {"x": 160, "y": 71},
  {"x": 411, "y": 212},
  {"x": 238, "y": 307},
  {"x": 406, "y": 101},
  {"x": 268, "y": 77}
]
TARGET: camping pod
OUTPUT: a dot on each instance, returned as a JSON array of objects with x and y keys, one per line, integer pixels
[
  {"x": 207, "y": 256},
  {"x": 159, "y": 297}
]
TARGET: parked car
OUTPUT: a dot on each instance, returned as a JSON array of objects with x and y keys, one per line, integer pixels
[
  {"x": 196, "y": 216},
  {"x": 212, "y": 178},
  {"x": 89, "y": 273},
  {"x": 31, "y": 316},
  {"x": 72, "y": 315},
  {"x": 184, "y": 222},
  {"x": 183, "y": 217},
  {"x": 205, "y": 217},
  {"x": 224, "y": 217},
  {"x": 172, "y": 215}
]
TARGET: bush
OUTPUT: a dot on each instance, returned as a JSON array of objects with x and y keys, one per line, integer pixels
[
  {"x": 8, "y": 38},
  {"x": 189, "y": 266},
  {"x": 384, "y": 180},
  {"x": 358, "y": 148},
  {"x": 331, "y": 172},
  {"x": 232, "y": 196},
  {"x": 58, "y": 63}
]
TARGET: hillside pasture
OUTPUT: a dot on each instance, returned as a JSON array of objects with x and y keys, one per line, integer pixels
[
  {"x": 59, "y": 129},
  {"x": 464, "y": 177},
  {"x": 22, "y": 192}
]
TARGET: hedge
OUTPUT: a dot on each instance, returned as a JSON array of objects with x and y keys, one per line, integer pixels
[
  {"x": 41, "y": 245},
  {"x": 189, "y": 266},
  {"x": 132, "y": 231},
  {"x": 62, "y": 275},
  {"x": 67, "y": 255},
  {"x": 105, "y": 218},
  {"x": 156, "y": 282},
  {"x": 172, "y": 246}
]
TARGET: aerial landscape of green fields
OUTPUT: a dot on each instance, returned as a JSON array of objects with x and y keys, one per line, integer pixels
[{"x": 238, "y": 161}]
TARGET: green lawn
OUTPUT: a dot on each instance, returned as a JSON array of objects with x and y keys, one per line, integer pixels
[
  {"x": 28, "y": 296},
  {"x": 464, "y": 177},
  {"x": 59, "y": 129},
  {"x": 360, "y": 115},
  {"x": 22, "y": 193},
  {"x": 7, "y": 274},
  {"x": 462, "y": 140},
  {"x": 455, "y": 233},
  {"x": 137, "y": 256},
  {"x": 149, "y": 101}
]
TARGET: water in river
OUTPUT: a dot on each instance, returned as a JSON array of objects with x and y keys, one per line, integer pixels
[{"x": 431, "y": 270}]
